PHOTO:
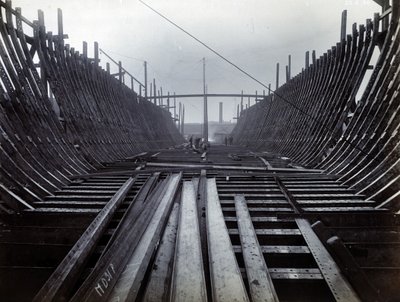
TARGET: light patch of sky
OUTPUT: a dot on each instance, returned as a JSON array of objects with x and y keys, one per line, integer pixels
[{"x": 255, "y": 34}]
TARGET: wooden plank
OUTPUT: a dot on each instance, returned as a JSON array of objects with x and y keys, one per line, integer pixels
[
  {"x": 129, "y": 282},
  {"x": 188, "y": 283},
  {"x": 222, "y": 167},
  {"x": 259, "y": 279},
  {"x": 265, "y": 162},
  {"x": 69, "y": 269},
  {"x": 226, "y": 280},
  {"x": 159, "y": 283},
  {"x": 103, "y": 277},
  {"x": 340, "y": 288}
]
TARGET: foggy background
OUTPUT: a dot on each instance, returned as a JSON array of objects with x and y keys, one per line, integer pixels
[{"x": 254, "y": 34}]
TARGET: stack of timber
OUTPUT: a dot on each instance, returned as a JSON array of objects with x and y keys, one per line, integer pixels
[{"x": 315, "y": 119}]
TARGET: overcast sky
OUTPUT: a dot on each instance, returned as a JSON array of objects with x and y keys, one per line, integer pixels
[{"x": 254, "y": 34}]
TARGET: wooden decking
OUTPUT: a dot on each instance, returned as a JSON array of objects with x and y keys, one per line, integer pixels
[{"x": 219, "y": 233}]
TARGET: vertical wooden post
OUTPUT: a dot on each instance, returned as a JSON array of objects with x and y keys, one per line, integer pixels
[
  {"x": 151, "y": 90},
  {"x": 174, "y": 106},
  {"x": 108, "y": 67},
  {"x": 290, "y": 67},
  {"x": 179, "y": 117},
  {"x": 161, "y": 99},
  {"x": 237, "y": 113},
  {"x": 269, "y": 89},
  {"x": 145, "y": 80},
  {"x": 287, "y": 73},
  {"x": 248, "y": 102},
  {"x": 307, "y": 59},
  {"x": 255, "y": 101},
  {"x": 314, "y": 57},
  {"x": 42, "y": 31},
  {"x": 60, "y": 26},
  {"x": 84, "y": 49},
  {"x": 132, "y": 83},
  {"x": 140, "y": 90},
  {"x": 168, "y": 103},
  {"x": 183, "y": 120},
  {"x": 277, "y": 76},
  {"x": 241, "y": 102},
  {"x": 343, "y": 26},
  {"x": 221, "y": 119},
  {"x": 154, "y": 91},
  {"x": 205, "y": 105},
  {"x": 96, "y": 54},
  {"x": 120, "y": 71}
]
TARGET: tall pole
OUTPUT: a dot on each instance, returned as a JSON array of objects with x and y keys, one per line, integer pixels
[
  {"x": 221, "y": 114},
  {"x": 205, "y": 128},
  {"x": 174, "y": 106},
  {"x": 183, "y": 120},
  {"x": 168, "y": 103},
  {"x": 154, "y": 91},
  {"x": 180, "y": 118},
  {"x": 145, "y": 80}
]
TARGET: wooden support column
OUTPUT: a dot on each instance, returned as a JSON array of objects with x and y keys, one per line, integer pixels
[
  {"x": 221, "y": 112},
  {"x": 174, "y": 106},
  {"x": 145, "y": 80},
  {"x": 154, "y": 92},
  {"x": 307, "y": 59},
  {"x": 314, "y": 57},
  {"x": 168, "y": 103},
  {"x": 96, "y": 54},
  {"x": 120, "y": 71},
  {"x": 151, "y": 90},
  {"x": 132, "y": 86},
  {"x": 84, "y": 50},
  {"x": 287, "y": 73},
  {"x": 108, "y": 67},
  {"x": 183, "y": 119},
  {"x": 205, "y": 105},
  {"x": 180, "y": 117},
  {"x": 269, "y": 89},
  {"x": 42, "y": 31},
  {"x": 237, "y": 112},
  {"x": 343, "y": 26},
  {"x": 277, "y": 76},
  {"x": 60, "y": 26},
  {"x": 290, "y": 66},
  {"x": 241, "y": 103}
]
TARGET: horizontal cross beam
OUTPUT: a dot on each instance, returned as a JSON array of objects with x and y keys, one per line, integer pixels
[{"x": 201, "y": 95}]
